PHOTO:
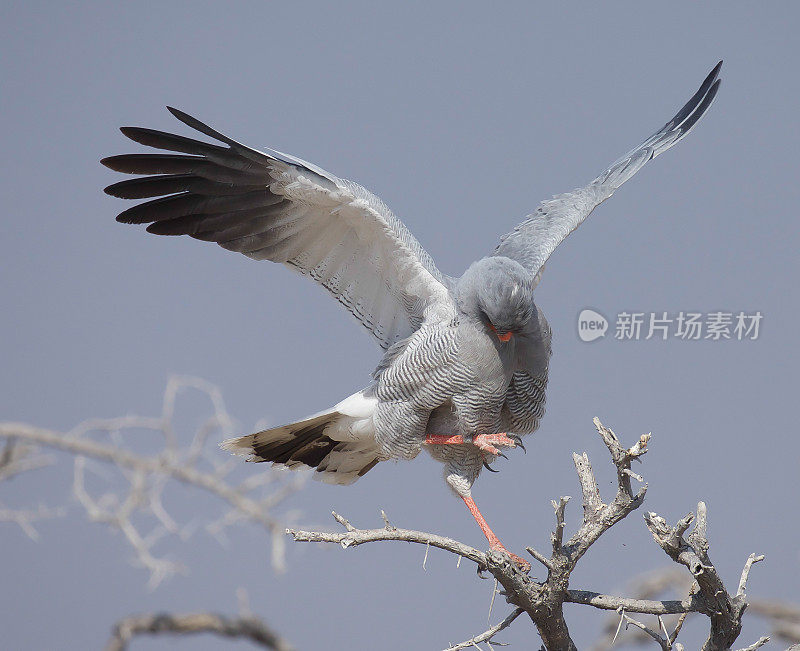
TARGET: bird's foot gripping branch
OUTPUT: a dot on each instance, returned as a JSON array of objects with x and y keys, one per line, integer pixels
[{"x": 543, "y": 600}]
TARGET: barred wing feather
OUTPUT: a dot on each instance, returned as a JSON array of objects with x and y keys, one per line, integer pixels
[{"x": 272, "y": 206}]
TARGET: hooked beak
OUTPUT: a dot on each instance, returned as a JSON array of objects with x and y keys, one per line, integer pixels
[{"x": 506, "y": 336}]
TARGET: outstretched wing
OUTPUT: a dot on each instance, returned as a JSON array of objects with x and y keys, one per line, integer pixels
[
  {"x": 532, "y": 241},
  {"x": 270, "y": 206}
]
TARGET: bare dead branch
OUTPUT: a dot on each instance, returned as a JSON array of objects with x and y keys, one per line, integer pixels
[
  {"x": 597, "y": 521},
  {"x": 592, "y": 502},
  {"x": 354, "y": 537},
  {"x": 18, "y": 457},
  {"x": 248, "y": 628},
  {"x": 757, "y": 644},
  {"x": 648, "y": 587},
  {"x": 345, "y": 523},
  {"x": 131, "y": 499},
  {"x": 25, "y": 518},
  {"x": 557, "y": 536},
  {"x": 753, "y": 558},
  {"x": 543, "y": 602},
  {"x": 724, "y": 610},
  {"x": 661, "y": 641},
  {"x": 488, "y": 634},
  {"x": 539, "y": 557},
  {"x": 632, "y": 605}
]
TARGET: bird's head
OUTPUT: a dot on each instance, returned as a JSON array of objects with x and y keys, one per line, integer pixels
[{"x": 498, "y": 293}]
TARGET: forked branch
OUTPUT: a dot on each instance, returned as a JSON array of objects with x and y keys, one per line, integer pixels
[
  {"x": 542, "y": 601},
  {"x": 724, "y": 610},
  {"x": 132, "y": 499}
]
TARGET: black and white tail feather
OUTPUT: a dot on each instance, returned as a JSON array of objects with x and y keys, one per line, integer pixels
[{"x": 339, "y": 444}]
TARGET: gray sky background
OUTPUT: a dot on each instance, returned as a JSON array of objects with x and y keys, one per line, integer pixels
[{"x": 462, "y": 117}]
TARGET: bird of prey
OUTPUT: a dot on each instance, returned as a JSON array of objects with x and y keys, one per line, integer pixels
[{"x": 464, "y": 364}]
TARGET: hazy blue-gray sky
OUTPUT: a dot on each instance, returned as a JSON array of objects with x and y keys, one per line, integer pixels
[{"x": 462, "y": 117}]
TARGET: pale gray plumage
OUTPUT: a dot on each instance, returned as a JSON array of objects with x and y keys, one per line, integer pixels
[
  {"x": 466, "y": 356},
  {"x": 532, "y": 241}
]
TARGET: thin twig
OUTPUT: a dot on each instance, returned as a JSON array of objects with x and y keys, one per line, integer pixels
[
  {"x": 757, "y": 644},
  {"x": 487, "y": 634},
  {"x": 658, "y": 639},
  {"x": 753, "y": 558},
  {"x": 558, "y": 534},
  {"x": 540, "y": 557}
]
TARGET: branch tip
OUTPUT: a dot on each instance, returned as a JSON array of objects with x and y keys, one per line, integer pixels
[
  {"x": 759, "y": 643},
  {"x": 558, "y": 534},
  {"x": 342, "y": 521},
  {"x": 488, "y": 634},
  {"x": 540, "y": 557},
  {"x": 753, "y": 558},
  {"x": 386, "y": 521}
]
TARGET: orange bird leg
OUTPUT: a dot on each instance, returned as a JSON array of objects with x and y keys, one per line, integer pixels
[
  {"x": 494, "y": 541},
  {"x": 440, "y": 439},
  {"x": 485, "y": 442}
]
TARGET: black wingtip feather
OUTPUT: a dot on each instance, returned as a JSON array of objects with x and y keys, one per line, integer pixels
[
  {"x": 697, "y": 99},
  {"x": 195, "y": 124},
  {"x": 185, "y": 225},
  {"x": 151, "y": 186},
  {"x": 175, "y": 205},
  {"x": 172, "y": 142},
  {"x": 243, "y": 150},
  {"x": 701, "y": 108}
]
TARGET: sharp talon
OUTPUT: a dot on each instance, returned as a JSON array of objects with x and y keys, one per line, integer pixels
[
  {"x": 489, "y": 468},
  {"x": 518, "y": 441},
  {"x": 500, "y": 454}
]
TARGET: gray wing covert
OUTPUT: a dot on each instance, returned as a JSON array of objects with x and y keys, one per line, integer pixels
[
  {"x": 532, "y": 241},
  {"x": 271, "y": 206}
]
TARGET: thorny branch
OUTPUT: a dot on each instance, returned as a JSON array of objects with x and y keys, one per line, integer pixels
[
  {"x": 132, "y": 499},
  {"x": 144, "y": 478},
  {"x": 487, "y": 635},
  {"x": 543, "y": 601},
  {"x": 724, "y": 610},
  {"x": 649, "y": 586}
]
